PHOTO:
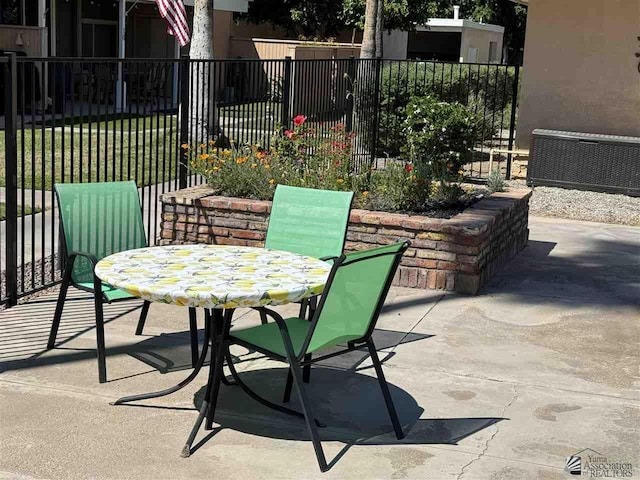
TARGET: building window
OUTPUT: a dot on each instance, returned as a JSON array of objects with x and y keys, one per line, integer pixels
[
  {"x": 19, "y": 12},
  {"x": 493, "y": 52}
]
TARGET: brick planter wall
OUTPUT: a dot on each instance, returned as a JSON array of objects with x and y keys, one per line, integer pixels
[{"x": 458, "y": 254}]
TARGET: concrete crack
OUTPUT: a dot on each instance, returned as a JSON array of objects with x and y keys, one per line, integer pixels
[{"x": 486, "y": 445}]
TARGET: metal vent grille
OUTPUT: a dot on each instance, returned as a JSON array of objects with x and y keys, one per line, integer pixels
[{"x": 605, "y": 163}]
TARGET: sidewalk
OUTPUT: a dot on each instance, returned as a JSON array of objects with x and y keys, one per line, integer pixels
[{"x": 503, "y": 385}]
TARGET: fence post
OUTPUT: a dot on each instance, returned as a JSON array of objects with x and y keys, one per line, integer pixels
[
  {"x": 286, "y": 98},
  {"x": 183, "y": 155},
  {"x": 376, "y": 112},
  {"x": 351, "y": 72},
  {"x": 512, "y": 123},
  {"x": 11, "y": 172}
]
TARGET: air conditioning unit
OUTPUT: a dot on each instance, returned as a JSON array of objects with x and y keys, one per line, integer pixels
[{"x": 585, "y": 161}]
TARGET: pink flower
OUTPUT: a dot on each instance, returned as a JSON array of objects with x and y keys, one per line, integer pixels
[
  {"x": 289, "y": 133},
  {"x": 299, "y": 120}
]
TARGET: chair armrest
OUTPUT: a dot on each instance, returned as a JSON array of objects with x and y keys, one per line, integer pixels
[
  {"x": 284, "y": 331},
  {"x": 92, "y": 258},
  {"x": 97, "y": 282}
]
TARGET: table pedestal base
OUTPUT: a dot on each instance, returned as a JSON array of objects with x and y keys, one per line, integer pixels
[{"x": 216, "y": 331}]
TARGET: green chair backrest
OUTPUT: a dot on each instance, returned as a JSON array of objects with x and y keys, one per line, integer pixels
[
  {"x": 99, "y": 219},
  {"x": 308, "y": 221},
  {"x": 353, "y": 298}
]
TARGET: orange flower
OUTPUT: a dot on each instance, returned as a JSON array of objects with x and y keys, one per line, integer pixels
[
  {"x": 241, "y": 160},
  {"x": 365, "y": 193},
  {"x": 204, "y": 156},
  {"x": 185, "y": 146}
]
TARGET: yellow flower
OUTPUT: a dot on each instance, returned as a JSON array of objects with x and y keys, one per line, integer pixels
[
  {"x": 365, "y": 193},
  {"x": 202, "y": 145},
  {"x": 240, "y": 160},
  {"x": 212, "y": 142},
  {"x": 272, "y": 181},
  {"x": 185, "y": 146},
  {"x": 254, "y": 165},
  {"x": 204, "y": 156},
  {"x": 267, "y": 166},
  {"x": 339, "y": 180},
  {"x": 460, "y": 172},
  {"x": 215, "y": 169}
]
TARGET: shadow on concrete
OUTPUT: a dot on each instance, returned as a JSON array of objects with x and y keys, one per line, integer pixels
[
  {"x": 24, "y": 329},
  {"x": 597, "y": 272},
  {"x": 349, "y": 404}
]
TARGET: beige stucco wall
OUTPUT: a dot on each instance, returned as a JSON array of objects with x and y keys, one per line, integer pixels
[
  {"x": 580, "y": 69},
  {"x": 476, "y": 38}
]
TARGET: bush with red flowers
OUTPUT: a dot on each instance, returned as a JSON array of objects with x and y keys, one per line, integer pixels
[{"x": 314, "y": 156}]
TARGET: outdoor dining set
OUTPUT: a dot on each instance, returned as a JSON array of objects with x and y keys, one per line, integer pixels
[{"x": 340, "y": 295}]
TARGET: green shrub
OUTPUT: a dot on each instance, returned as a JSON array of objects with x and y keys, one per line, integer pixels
[
  {"x": 495, "y": 182},
  {"x": 439, "y": 140},
  {"x": 487, "y": 90}
]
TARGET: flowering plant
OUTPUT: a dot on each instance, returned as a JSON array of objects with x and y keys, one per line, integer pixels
[
  {"x": 439, "y": 140},
  {"x": 299, "y": 156},
  {"x": 318, "y": 156}
]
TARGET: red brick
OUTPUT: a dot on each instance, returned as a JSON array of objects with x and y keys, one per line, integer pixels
[
  {"x": 231, "y": 241},
  {"x": 419, "y": 262},
  {"x": 259, "y": 207},
  {"x": 441, "y": 280},
  {"x": 448, "y": 265},
  {"x": 247, "y": 234},
  {"x": 431, "y": 279}
]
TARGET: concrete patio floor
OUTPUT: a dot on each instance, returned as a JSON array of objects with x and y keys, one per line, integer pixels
[{"x": 504, "y": 385}]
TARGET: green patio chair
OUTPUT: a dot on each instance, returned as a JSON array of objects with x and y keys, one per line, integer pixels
[
  {"x": 309, "y": 222},
  {"x": 346, "y": 315},
  {"x": 97, "y": 220}
]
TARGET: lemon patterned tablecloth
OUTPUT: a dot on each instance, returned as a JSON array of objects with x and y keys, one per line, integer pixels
[{"x": 214, "y": 276}]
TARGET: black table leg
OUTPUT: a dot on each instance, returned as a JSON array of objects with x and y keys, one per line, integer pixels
[
  {"x": 218, "y": 324},
  {"x": 183, "y": 383}
]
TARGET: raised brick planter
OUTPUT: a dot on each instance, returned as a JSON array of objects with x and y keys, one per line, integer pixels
[{"x": 459, "y": 254}]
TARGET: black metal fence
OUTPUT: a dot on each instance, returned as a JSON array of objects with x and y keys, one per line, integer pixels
[{"x": 100, "y": 120}]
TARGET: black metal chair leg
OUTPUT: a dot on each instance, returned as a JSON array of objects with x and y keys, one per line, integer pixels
[
  {"x": 306, "y": 370},
  {"x": 385, "y": 390},
  {"x": 143, "y": 317},
  {"x": 263, "y": 318},
  {"x": 287, "y": 388},
  {"x": 308, "y": 412},
  {"x": 102, "y": 363},
  {"x": 193, "y": 331},
  {"x": 59, "y": 306}
]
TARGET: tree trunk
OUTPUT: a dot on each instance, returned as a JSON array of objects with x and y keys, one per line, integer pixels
[
  {"x": 368, "y": 49},
  {"x": 202, "y": 113},
  {"x": 379, "y": 28},
  {"x": 364, "y": 88}
]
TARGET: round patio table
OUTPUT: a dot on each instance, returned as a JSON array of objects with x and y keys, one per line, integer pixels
[{"x": 218, "y": 278}]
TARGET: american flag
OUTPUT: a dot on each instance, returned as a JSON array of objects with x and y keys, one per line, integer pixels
[{"x": 174, "y": 13}]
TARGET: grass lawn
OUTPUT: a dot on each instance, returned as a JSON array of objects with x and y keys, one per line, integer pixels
[
  {"x": 98, "y": 154},
  {"x": 22, "y": 210}
]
